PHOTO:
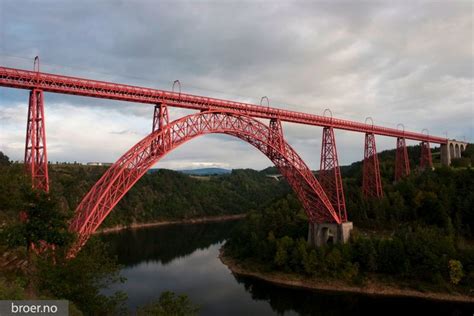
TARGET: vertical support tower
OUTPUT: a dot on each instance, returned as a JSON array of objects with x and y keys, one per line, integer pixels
[
  {"x": 36, "y": 158},
  {"x": 371, "y": 181},
  {"x": 161, "y": 119},
  {"x": 275, "y": 136},
  {"x": 402, "y": 164},
  {"x": 320, "y": 234},
  {"x": 330, "y": 174},
  {"x": 426, "y": 160}
]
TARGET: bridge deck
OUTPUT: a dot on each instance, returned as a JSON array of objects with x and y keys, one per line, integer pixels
[{"x": 24, "y": 79}]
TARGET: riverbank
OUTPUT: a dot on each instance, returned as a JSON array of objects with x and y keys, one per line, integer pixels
[
  {"x": 372, "y": 287},
  {"x": 208, "y": 219}
]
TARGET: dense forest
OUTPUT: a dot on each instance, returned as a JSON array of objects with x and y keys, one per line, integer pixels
[
  {"x": 159, "y": 195},
  {"x": 418, "y": 235}
]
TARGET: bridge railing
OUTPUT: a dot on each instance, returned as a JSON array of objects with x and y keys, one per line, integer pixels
[{"x": 24, "y": 79}]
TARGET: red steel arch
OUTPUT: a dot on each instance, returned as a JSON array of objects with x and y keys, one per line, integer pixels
[{"x": 129, "y": 168}]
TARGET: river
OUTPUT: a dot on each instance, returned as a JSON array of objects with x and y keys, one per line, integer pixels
[{"x": 183, "y": 258}]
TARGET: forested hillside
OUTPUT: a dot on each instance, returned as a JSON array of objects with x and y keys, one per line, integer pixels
[
  {"x": 163, "y": 194},
  {"x": 419, "y": 235}
]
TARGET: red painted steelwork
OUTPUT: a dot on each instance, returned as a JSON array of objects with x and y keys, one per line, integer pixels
[
  {"x": 124, "y": 173},
  {"x": 330, "y": 173},
  {"x": 402, "y": 163},
  {"x": 425, "y": 161},
  {"x": 371, "y": 182},
  {"x": 36, "y": 158},
  {"x": 160, "y": 117},
  {"x": 23, "y": 79},
  {"x": 275, "y": 138}
]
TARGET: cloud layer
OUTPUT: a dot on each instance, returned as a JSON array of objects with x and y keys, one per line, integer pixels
[{"x": 405, "y": 62}]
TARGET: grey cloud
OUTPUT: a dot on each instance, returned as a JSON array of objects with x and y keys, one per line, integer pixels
[
  {"x": 407, "y": 62},
  {"x": 124, "y": 132}
]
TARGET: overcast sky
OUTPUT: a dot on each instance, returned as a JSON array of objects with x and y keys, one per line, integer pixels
[{"x": 395, "y": 61}]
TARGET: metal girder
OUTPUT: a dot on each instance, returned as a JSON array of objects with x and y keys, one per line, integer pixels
[
  {"x": 36, "y": 158},
  {"x": 402, "y": 163},
  {"x": 330, "y": 173},
  {"x": 371, "y": 181},
  {"x": 426, "y": 161},
  {"x": 160, "y": 120},
  {"x": 23, "y": 79},
  {"x": 128, "y": 169},
  {"x": 160, "y": 117},
  {"x": 275, "y": 137}
]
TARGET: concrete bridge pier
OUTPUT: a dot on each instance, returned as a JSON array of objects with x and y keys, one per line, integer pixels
[
  {"x": 329, "y": 233},
  {"x": 452, "y": 149}
]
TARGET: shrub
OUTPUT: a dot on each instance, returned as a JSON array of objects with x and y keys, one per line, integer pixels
[
  {"x": 455, "y": 271},
  {"x": 460, "y": 162},
  {"x": 170, "y": 304}
]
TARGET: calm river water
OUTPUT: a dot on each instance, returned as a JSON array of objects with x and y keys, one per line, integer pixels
[{"x": 183, "y": 259}]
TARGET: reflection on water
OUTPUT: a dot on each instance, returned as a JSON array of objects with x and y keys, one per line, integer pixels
[
  {"x": 305, "y": 302},
  {"x": 163, "y": 244},
  {"x": 183, "y": 259}
]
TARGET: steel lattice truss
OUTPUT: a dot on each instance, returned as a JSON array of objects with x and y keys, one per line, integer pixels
[
  {"x": 371, "y": 182},
  {"x": 36, "y": 158},
  {"x": 124, "y": 173},
  {"x": 426, "y": 160},
  {"x": 402, "y": 163},
  {"x": 330, "y": 174},
  {"x": 24, "y": 79}
]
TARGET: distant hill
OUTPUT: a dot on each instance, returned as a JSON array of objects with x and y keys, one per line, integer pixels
[
  {"x": 206, "y": 171},
  {"x": 270, "y": 170},
  {"x": 387, "y": 162}
]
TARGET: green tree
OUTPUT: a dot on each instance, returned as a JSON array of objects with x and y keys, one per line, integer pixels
[
  {"x": 427, "y": 249},
  {"x": 431, "y": 210},
  {"x": 4, "y": 160},
  {"x": 455, "y": 271},
  {"x": 365, "y": 254},
  {"x": 311, "y": 263},
  {"x": 391, "y": 256},
  {"x": 283, "y": 249},
  {"x": 44, "y": 222},
  {"x": 10, "y": 290},
  {"x": 299, "y": 255},
  {"x": 170, "y": 304},
  {"x": 462, "y": 162},
  {"x": 83, "y": 278},
  {"x": 334, "y": 261}
]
